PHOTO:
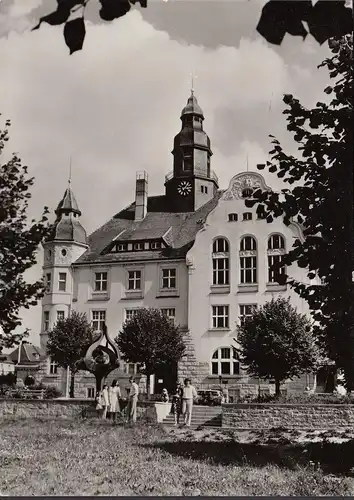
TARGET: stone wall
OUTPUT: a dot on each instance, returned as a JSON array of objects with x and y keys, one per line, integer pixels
[
  {"x": 73, "y": 408},
  {"x": 43, "y": 408},
  {"x": 189, "y": 367},
  {"x": 296, "y": 416}
]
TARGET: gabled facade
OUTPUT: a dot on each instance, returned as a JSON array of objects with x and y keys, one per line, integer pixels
[{"x": 194, "y": 252}]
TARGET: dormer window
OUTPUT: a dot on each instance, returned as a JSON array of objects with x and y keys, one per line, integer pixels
[
  {"x": 155, "y": 245},
  {"x": 122, "y": 247},
  {"x": 138, "y": 246}
]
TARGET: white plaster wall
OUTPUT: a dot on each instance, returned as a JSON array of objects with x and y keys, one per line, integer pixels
[
  {"x": 116, "y": 300},
  {"x": 201, "y": 299}
]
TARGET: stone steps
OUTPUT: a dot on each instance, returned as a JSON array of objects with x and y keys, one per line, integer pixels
[{"x": 202, "y": 416}]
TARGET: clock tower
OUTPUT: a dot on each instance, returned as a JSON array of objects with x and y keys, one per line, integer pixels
[{"x": 192, "y": 183}]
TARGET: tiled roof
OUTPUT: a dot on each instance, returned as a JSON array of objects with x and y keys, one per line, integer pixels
[
  {"x": 30, "y": 354},
  {"x": 183, "y": 229}
]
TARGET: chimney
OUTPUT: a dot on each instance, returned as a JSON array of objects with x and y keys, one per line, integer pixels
[{"x": 141, "y": 195}]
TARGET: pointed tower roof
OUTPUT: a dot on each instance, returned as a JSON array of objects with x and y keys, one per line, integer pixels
[
  {"x": 67, "y": 226},
  {"x": 192, "y": 107},
  {"x": 68, "y": 203}
]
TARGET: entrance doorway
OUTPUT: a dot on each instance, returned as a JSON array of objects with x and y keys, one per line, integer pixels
[{"x": 166, "y": 378}]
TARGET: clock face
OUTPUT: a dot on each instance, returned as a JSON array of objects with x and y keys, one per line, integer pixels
[{"x": 184, "y": 188}]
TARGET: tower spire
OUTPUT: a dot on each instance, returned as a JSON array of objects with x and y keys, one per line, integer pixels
[
  {"x": 69, "y": 180},
  {"x": 193, "y": 78}
]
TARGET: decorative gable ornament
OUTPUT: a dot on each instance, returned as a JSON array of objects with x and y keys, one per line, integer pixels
[{"x": 241, "y": 182}]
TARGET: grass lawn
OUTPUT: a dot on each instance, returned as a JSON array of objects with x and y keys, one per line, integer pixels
[{"x": 67, "y": 457}]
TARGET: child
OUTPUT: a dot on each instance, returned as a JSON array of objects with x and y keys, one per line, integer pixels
[
  {"x": 176, "y": 407},
  {"x": 165, "y": 396}
]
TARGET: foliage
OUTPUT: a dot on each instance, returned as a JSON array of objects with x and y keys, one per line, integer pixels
[
  {"x": 8, "y": 391},
  {"x": 150, "y": 339},
  {"x": 300, "y": 398},
  {"x": 51, "y": 392},
  {"x": 8, "y": 379},
  {"x": 68, "y": 342},
  {"x": 324, "y": 19},
  {"x": 277, "y": 342},
  {"x": 19, "y": 240},
  {"x": 29, "y": 381},
  {"x": 278, "y": 18},
  {"x": 322, "y": 202}
]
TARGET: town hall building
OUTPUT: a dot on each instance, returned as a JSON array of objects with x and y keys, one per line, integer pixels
[{"x": 195, "y": 252}]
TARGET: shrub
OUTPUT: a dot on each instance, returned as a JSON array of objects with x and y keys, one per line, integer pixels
[
  {"x": 299, "y": 399},
  {"x": 52, "y": 392}
]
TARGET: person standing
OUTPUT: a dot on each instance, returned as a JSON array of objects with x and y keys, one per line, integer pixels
[
  {"x": 114, "y": 396},
  {"x": 176, "y": 407},
  {"x": 103, "y": 401},
  {"x": 189, "y": 394},
  {"x": 132, "y": 401}
]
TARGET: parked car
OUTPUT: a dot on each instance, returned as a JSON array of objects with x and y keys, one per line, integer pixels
[{"x": 209, "y": 397}]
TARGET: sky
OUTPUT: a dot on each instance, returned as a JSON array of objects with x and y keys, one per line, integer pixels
[{"x": 114, "y": 107}]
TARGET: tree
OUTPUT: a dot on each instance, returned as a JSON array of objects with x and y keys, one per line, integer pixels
[
  {"x": 278, "y": 18},
  {"x": 322, "y": 202},
  {"x": 150, "y": 339},
  {"x": 277, "y": 342},
  {"x": 68, "y": 342},
  {"x": 19, "y": 241}
]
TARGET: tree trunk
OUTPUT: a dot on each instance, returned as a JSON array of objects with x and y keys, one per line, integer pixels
[
  {"x": 277, "y": 388},
  {"x": 72, "y": 385}
]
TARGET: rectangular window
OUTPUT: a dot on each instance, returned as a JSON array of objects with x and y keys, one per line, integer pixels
[
  {"x": 46, "y": 321},
  {"x": 220, "y": 316},
  {"x": 121, "y": 247},
  {"x": 169, "y": 312},
  {"x": 246, "y": 310},
  {"x": 98, "y": 320},
  {"x": 169, "y": 278},
  {"x": 248, "y": 267},
  {"x": 48, "y": 282},
  {"x": 60, "y": 315},
  {"x": 129, "y": 313},
  {"x": 53, "y": 367},
  {"x": 274, "y": 260},
  {"x": 233, "y": 217},
  {"x": 204, "y": 189},
  {"x": 131, "y": 368},
  {"x": 138, "y": 246},
  {"x": 155, "y": 245},
  {"x": 221, "y": 271},
  {"x": 134, "y": 280},
  {"x": 247, "y": 216},
  {"x": 90, "y": 392},
  {"x": 62, "y": 282},
  {"x": 101, "y": 282}
]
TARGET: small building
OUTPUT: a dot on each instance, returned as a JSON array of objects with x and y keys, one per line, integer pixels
[{"x": 27, "y": 359}]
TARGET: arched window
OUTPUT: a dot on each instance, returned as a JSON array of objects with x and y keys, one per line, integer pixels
[
  {"x": 225, "y": 362},
  {"x": 221, "y": 259},
  {"x": 276, "y": 242},
  {"x": 275, "y": 252},
  {"x": 248, "y": 260}
]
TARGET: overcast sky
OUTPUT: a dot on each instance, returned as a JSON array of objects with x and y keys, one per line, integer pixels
[{"x": 114, "y": 107}]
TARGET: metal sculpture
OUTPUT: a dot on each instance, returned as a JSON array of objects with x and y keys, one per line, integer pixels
[{"x": 101, "y": 358}]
